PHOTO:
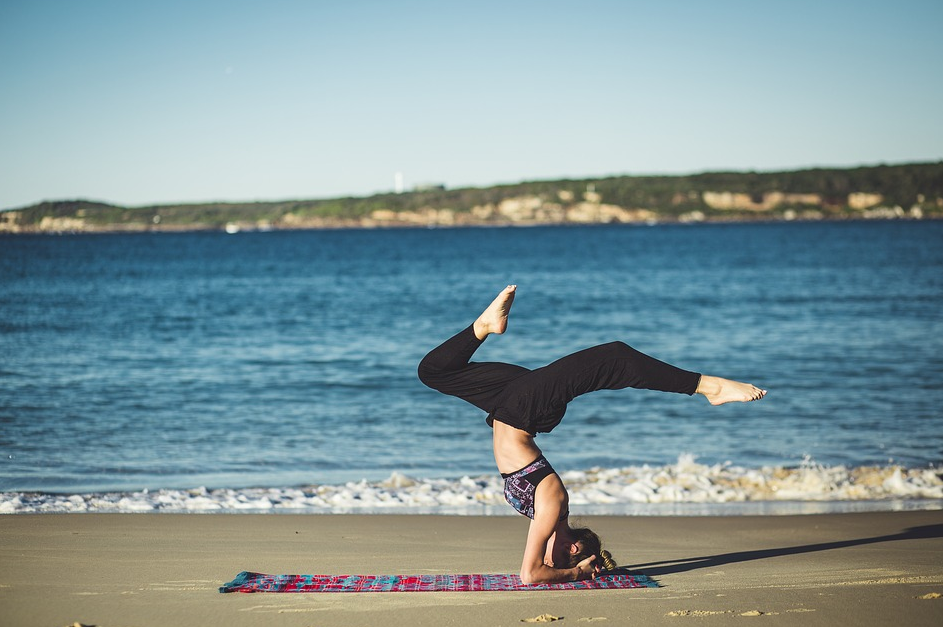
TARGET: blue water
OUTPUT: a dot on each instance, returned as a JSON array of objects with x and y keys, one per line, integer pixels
[{"x": 289, "y": 358}]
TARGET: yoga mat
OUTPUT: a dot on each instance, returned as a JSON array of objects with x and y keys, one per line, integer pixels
[{"x": 259, "y": 582}]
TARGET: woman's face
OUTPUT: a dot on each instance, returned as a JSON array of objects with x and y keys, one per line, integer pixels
[{"x": 562, "y": 549}]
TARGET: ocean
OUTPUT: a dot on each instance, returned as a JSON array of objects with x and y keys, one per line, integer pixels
[{"x": 276, "y": 371}]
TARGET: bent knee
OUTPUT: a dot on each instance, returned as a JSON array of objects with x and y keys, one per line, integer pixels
[{"x": 428, "y": 373}]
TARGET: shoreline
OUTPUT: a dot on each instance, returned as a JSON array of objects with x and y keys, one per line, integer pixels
[
  {"x": 500, "y": 510},
  {"x": 359, "y": 225},
  {"x": 112, "y": 569},
  {"x": 683, "y": 488}
]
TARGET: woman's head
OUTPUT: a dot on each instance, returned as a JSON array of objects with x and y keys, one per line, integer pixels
[{"x": 588, "y": 544}]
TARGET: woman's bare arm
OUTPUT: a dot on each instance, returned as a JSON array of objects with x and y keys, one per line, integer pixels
[{"x": 550, "y": 505}]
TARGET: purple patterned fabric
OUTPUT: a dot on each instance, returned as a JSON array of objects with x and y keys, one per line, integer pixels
[
  {"x": 521, "y": 486},
  {"x": 258, "y": 582}
]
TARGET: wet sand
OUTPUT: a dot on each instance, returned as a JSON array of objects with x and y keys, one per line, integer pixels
[{"x": 115, "y": 570}]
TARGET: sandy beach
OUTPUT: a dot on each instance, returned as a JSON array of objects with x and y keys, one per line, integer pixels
[{"x": 162, "y": 569}]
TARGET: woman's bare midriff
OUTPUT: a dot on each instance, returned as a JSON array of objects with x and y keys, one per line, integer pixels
[{"x": 513, "y": 448}]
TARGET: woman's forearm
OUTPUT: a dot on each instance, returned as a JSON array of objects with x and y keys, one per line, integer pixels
[{"x": 548, "y": 574}]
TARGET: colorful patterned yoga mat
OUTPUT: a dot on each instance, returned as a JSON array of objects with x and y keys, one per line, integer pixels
[{"x": 258, "y": 582}]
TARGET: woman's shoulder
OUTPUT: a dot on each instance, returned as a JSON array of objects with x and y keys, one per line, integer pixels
[{"x": 551, "y": 498}]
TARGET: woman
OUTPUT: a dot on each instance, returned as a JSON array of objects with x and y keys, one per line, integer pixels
[{"x": 522, "y": 403}]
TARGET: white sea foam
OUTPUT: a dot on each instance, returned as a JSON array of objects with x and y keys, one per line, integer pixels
[{"x": 675, "y": 488}]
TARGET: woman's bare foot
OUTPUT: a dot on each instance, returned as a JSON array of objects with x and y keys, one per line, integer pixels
[
  {"x": 494, "y": 319},
  {"x": 719, "y": 391}
]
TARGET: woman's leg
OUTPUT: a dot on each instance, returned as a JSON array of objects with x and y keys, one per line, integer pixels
[
  {"x": 613, "y": 366},
  {"x": 539, "y": 398},
  {"x": 448, "y": 367},
  {"x": 617, "y": 365}
]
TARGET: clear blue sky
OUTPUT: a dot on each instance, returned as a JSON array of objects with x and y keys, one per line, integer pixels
[{"x": 138, "y": 103}]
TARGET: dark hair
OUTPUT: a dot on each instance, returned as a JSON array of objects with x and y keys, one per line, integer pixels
[{"x": 590, "y": 545}]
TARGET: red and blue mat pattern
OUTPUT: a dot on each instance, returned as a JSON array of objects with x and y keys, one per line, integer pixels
[{"x": 259, "y": 582}]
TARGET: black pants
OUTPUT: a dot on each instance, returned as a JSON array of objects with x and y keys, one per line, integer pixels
[{"x": 535, "y": 400}]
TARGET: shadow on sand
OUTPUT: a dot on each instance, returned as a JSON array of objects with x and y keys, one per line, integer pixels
[{"x": 654, "y": 569}]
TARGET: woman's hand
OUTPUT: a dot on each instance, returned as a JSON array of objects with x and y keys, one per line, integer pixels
[{"x": 586, "y": 569}]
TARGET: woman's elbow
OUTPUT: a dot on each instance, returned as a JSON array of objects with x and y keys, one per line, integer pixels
[
  {"x": 528, "y": 576},
  {"x": 531, "y": 576}
]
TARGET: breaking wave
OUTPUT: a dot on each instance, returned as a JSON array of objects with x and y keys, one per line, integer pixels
[{"x": 685, "y": 487}]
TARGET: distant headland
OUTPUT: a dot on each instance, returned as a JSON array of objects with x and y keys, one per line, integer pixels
[{"x": 913, "y": 191}]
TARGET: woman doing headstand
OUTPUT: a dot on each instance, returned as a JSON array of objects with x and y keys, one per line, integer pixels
[{"x": 522, "y": 403}]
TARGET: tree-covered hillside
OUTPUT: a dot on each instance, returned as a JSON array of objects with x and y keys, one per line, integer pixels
[{"x": 913, "y": 190}]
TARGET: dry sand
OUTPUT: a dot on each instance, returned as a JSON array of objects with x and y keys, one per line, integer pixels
[{"x": 123, "y": 570}]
